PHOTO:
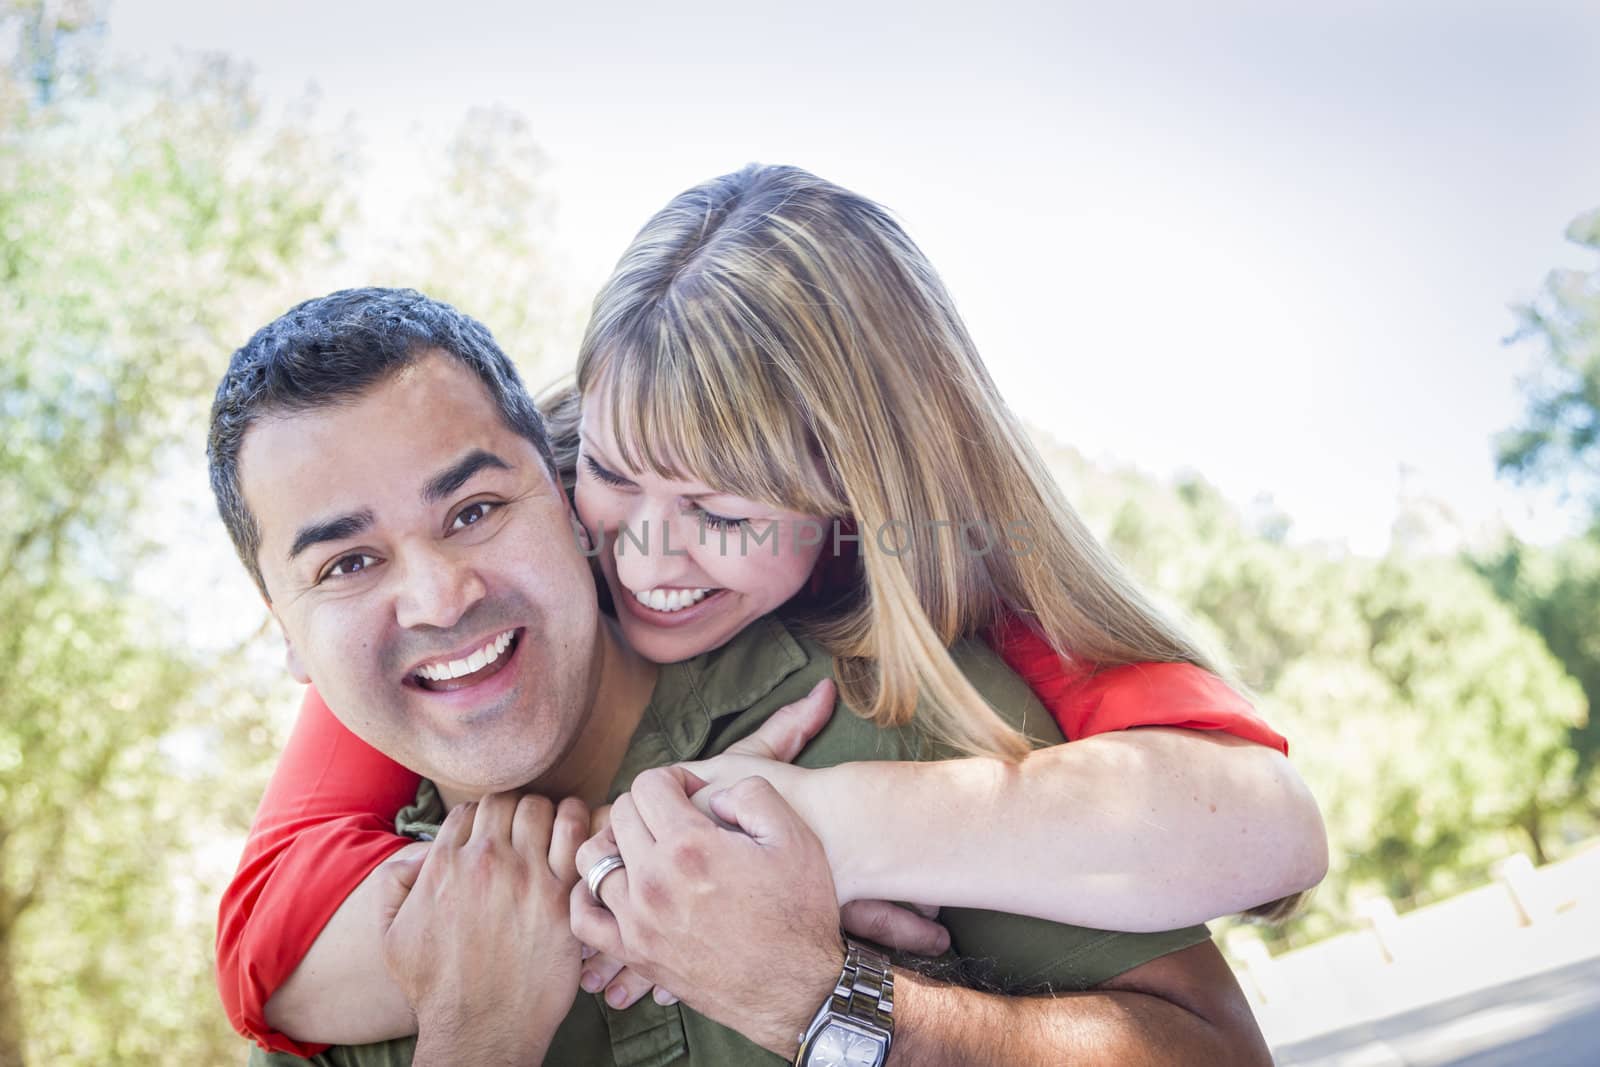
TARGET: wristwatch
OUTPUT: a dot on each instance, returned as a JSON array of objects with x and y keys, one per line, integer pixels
[{"x": 855, "y": 1025}]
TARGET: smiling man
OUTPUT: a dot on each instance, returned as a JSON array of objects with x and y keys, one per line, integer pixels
[
  {"x": 387, "y": 482},
  {"x": 418, "y": 556}
]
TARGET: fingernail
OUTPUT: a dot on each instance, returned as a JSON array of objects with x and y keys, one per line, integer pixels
[
  {"x": 616, "y": 996},
  {"x": 591, "y": 982}
]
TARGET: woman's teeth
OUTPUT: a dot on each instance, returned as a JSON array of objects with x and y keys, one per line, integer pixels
[
  {"x": 671, "y": 599},
  {"x": 458, "y": 668}
]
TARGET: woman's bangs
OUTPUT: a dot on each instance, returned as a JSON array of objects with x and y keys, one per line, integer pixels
[{"x": 691, "y": 407}]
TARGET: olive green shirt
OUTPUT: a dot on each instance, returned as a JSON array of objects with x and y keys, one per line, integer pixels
[{"x": 698, "y": 709}]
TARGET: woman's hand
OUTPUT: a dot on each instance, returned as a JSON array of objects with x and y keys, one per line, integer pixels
[{"x": 769, "y": 752}]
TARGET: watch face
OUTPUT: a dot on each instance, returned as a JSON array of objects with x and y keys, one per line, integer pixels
[{"x": 840, "y": 1046}]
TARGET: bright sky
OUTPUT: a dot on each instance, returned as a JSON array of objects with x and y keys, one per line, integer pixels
[{"x": 1271, "y": 244}]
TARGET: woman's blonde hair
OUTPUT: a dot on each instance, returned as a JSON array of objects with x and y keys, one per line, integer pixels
[{"x": 778, "y": 337}]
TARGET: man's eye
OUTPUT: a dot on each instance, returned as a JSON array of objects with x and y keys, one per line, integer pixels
[
  {"x": 354, "y": 563},
  {"x": 472, "y": 514}
]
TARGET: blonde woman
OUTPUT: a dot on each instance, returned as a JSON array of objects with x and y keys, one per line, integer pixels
[{"x": 775, "y": 364}]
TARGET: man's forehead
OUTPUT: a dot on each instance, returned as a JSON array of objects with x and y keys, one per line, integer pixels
[{"x": 388, "y": 440}]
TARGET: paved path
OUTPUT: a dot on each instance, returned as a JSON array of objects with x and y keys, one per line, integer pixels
[{"x": 1551, "y": 1019}]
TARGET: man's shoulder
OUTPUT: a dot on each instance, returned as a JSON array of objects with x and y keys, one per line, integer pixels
[{"x": 793, "y": 662}]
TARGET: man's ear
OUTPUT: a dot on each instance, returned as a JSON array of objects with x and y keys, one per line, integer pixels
[
  {"x": 581, "y": 532},
  {"x": 291, "y": 660}
]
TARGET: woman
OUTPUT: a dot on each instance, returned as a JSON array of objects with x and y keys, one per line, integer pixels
[{"x": 774, "y": 362}]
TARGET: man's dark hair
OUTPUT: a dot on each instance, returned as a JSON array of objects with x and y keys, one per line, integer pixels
[{"x": 328, "y": 351}]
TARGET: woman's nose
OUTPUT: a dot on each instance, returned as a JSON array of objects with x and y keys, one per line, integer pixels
[{"x": 654, "y": 552}]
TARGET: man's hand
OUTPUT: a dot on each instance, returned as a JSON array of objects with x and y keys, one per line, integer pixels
[
  {"x": 742, "y": 924},
  {"x": 767, "y": 753},
  {"x": 479, "y": 937}
]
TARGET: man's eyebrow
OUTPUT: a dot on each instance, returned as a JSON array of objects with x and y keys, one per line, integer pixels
[
  {"x": 333, "y": 530},
  {"x": 455, "y": 476}
]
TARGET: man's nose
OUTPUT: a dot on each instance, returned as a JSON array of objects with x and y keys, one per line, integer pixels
[
  {"x": 653, "y": 551},
  {"x": 437, "y": 589}
]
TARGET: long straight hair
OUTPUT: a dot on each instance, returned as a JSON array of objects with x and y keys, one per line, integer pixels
[{"x": 781, "y": 338}]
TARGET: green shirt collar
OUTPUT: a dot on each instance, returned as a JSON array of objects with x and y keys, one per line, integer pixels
[{"x": 690, "y": 696}]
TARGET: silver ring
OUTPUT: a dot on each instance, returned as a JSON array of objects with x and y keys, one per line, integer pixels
[{"x": 597, "y": 874}]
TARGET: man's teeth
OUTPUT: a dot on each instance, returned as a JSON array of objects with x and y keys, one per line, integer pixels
[
  {"x": 671, "y": 599},
  {"x": 457, "y": 668}
]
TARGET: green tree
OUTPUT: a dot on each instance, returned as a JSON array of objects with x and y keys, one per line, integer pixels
[
  {"x": 1559, "y": 441},
  {"x": 1556, "y": 592},
  {"x": 145, "y": 226},
  {"x": 1432, "y": 724}
]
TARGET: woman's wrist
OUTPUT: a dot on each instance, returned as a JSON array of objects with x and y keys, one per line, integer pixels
[{"x": 853, "y": 811}]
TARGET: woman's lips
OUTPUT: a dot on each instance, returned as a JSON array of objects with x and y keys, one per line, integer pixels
[{"x": 667, "y": 619}]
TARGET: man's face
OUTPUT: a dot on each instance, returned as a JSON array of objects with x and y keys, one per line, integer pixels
[{"x": 423, "y": 567}]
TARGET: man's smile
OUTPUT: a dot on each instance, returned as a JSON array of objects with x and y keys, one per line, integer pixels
[{"x": 453, "y": 672}]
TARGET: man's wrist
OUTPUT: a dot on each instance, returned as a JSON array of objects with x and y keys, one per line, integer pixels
[
  {"x": 797, "y": 1008},
  {"x": 448, "y": 1037},
  {"x": 857, "y": 1018}
]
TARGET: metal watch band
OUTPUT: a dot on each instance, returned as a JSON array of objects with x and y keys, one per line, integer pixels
[
  {"x": 863, "y": 999},
  {"x": 865, "y": 990}
]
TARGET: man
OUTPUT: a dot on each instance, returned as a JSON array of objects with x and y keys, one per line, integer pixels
[{"x": 387, "y": 482}]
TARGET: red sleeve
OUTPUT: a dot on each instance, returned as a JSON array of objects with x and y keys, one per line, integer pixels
[
  {"x": 1086, "y": 702},
  {"x": 326, "y": 821}
]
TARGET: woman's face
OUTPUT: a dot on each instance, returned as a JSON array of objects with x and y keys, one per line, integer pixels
[{"x": 688, "y": 566}]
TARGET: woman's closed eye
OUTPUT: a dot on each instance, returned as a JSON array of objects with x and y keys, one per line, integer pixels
[
  {"x": 719, "y": 522},
  {"x": 611, "y": 478}
]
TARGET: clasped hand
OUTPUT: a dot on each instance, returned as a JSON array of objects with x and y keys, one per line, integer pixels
[
  {"x": 739, "y": 920},
  {"x": 478, "y": 933}
]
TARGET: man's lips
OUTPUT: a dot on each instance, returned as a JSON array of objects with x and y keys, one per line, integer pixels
[{"x": 478, "y": 663}]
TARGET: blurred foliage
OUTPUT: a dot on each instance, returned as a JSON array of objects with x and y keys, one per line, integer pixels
[
  {"x": 1559, "y": 441},
  {"x": 1556, "y": 589},
  {"x": 142, "y": 223},
  {"x": 485, "y": 242},
  {"x": 148, "y": 225},
  {"x": 1432, "y": 724}
]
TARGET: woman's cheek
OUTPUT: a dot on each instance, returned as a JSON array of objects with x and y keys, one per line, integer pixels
[
  {"x": 758, "y": 572},
  {"x": 599, "y": 510}
]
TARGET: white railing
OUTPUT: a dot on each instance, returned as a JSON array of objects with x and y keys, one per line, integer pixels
[{"x": 1527, "y": 921}]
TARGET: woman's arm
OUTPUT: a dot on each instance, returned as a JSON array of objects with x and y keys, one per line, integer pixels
[
  {"x": 342, "y": 993},
  {"x": 326, "y": 822},
  {"x": 1138, "y": 830},
  {"x": 1134, "y": 829}
]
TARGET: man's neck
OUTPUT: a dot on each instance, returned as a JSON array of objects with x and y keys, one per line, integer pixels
[{"x": 622, "y": 687}]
